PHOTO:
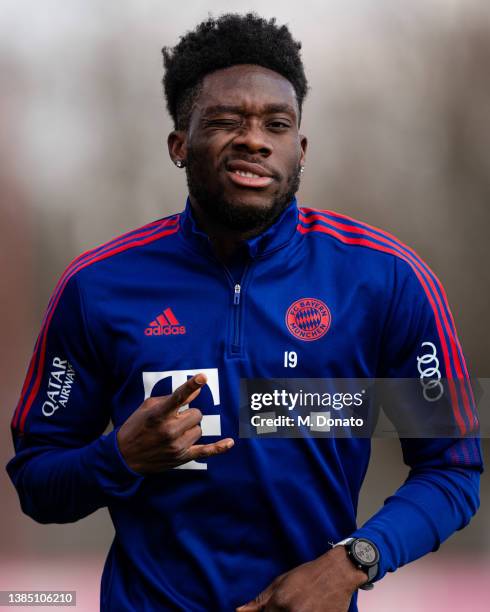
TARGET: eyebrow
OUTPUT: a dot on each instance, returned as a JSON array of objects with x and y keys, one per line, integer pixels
[{"x": 239, "y": 110}]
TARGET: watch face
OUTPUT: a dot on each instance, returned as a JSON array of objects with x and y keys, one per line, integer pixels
[{"x": 365, "y": 552}]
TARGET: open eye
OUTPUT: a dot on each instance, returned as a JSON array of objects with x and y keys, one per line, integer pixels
[{"x": 279, "y": 124}]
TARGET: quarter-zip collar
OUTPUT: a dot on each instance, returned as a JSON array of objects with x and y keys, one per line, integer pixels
[{"x": 272, "y": 239}]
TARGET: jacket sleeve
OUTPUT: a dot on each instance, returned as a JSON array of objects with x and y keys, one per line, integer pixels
[
  {"x": 441, "y": 492},
  {"x": 64, "y": 466}
]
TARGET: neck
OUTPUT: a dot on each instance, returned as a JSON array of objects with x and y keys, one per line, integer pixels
[{"x": 225, "y": 241}]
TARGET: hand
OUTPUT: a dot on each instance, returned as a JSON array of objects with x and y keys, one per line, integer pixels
[
  {"x": 157, "y": 437},
  {"x": 323, "y": 585}
]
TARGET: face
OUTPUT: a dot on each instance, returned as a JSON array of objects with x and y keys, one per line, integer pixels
[{"x": 242, "y": 149}]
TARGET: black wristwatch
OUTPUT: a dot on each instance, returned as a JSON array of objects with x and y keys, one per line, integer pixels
[{"x": 364, "y": 554}]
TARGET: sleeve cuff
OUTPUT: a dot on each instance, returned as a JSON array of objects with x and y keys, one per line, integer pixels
[
  {"x": 122, "y": 461},
  {"x": 109, "y": 469}
]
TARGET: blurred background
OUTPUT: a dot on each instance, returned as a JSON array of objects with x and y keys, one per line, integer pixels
[{"x": 398, "y": 119}]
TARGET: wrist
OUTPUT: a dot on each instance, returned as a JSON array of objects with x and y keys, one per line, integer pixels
[
  {"x": 364, "y": 555},
  {"x": 352, "y": 577},
  {"x": 122, "y": 450}
]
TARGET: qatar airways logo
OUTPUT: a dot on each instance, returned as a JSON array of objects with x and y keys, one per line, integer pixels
[
  {"x": 210, "y": 423},
  {"x": 60, "y": 383}
]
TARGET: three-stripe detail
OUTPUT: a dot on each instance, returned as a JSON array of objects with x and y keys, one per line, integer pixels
[
  {"x": 144, "y": 235},
  {"x": 350, "y": 231}
]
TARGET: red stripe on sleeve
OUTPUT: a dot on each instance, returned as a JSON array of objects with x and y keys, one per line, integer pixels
[
  {"x": 458, "y": 361},
  {"x": 368, "y": 243},
  {"x": 41, "y": 343}
]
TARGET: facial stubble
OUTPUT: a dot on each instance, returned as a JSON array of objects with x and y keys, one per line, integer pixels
[{"x": 235, "y": 215}]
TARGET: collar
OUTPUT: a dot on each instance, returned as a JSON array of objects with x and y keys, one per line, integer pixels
[{"x": 277, "y": 236}]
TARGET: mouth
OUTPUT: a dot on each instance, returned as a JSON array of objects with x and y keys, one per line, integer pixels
[{"x": 247, "y": 174}]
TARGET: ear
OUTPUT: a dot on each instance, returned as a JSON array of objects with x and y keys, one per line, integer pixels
[
  {"x": 303, "y": 144},
  {"x": 177, "y": 145}
]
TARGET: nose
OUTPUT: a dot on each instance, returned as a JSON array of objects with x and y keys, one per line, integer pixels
[{"x": 253, "y": 139}]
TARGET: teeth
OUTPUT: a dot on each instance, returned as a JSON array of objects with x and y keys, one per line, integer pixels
[{"x": 247, "y": 174}]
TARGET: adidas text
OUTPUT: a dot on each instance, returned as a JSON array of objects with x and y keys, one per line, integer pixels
[{"x": 165, "y": 330}]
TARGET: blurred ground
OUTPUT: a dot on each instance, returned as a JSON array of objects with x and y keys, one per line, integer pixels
[{"x": 449, "y": 585}]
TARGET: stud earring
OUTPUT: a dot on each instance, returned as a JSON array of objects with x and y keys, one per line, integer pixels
[
  {"x": 301, "y": 169},
  {"x": 179, "y": 163}
]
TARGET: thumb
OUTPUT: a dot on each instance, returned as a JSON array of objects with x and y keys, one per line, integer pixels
[
  {"x": 251, "y": 606},
  {"x": 259, "y": 603}
]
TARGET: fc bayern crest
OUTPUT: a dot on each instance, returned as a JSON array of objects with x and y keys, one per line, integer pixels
[{"x": 308, "y": 319}]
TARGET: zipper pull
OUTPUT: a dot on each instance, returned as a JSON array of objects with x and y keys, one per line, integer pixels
[{"x": 236, "y": 296}]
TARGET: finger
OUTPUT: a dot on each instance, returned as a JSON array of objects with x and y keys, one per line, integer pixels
[
  {"x": 251, "y": 606},
  {"x": 187, "y": 418},
  {"x": 159, "y": 405},
  {"x": 190, "y": 436},
  {"x": 171, "y": 428},
  {"x": 198, "y": 451},
  {"x": 183, "y": 394},
  {"x": 257, "y": 605},
  {"x": 261, "y": 600}
]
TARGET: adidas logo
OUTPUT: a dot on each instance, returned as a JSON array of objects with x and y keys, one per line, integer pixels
[{"x": 166, "y": 324}]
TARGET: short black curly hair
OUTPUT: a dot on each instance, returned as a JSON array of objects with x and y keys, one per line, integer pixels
[{"x": 219, "y": 43}]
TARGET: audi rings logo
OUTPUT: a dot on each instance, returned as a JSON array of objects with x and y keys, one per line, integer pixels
[{"x": 430, "y": 375}]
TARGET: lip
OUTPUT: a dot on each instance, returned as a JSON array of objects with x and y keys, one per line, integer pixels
[
  {"x": 263, "y": 179},
  {"x": 244, "y": 166}
]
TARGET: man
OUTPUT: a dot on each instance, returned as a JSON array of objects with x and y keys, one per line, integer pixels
[{"x": 242, "y": 284}]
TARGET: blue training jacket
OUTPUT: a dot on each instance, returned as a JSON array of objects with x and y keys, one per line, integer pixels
[{"x": 139, "y": 315}]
